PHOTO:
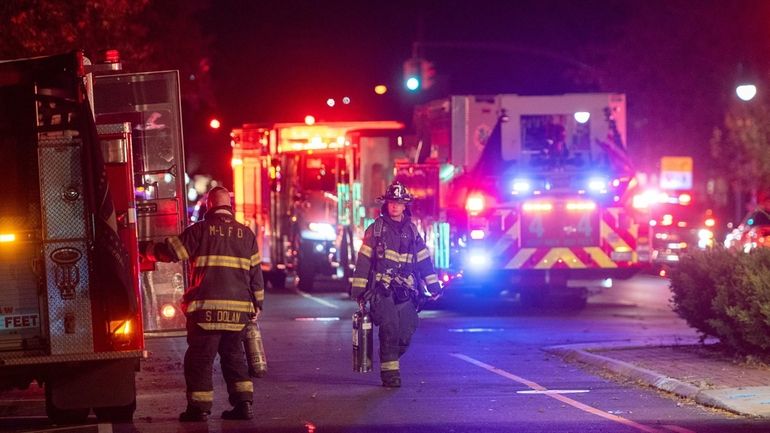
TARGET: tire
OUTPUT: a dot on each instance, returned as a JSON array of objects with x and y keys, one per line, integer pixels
[
  {"x": 116, "y": 414},
  {"x": 306, "y": 275},
  {"x": 63, "y": 416}
]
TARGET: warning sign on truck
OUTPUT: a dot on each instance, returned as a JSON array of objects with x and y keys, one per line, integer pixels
[{"x": 19, "y": 321}]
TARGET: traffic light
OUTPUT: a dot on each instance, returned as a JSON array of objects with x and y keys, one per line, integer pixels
[
  {"x": 419, "y": 74},
  {"x": 428, "y": 73},
  {"x": 412, "y": 72}
]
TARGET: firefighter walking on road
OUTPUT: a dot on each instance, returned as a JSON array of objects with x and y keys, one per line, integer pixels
[
  {"x": 226, "y": 291},
  {"x": 392, "y": 265}
]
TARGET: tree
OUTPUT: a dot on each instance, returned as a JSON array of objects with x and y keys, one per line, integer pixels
[
  {"x": 739, "y": 150},
  {"x": 150, "y": 35}
]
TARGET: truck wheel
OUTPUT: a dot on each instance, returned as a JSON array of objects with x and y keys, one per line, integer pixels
[
  {"x": 119, "y": 414},
  {"x": 63, "y": 416}
]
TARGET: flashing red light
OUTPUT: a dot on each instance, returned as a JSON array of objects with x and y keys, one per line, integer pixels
[
  {"x": 112, "y": 56},
  {"x": 168, "y": 311},
  {"x": 215, "y": 123},
  {"x": 445, "y": 278},
  {"x": 475, "y": 203},
  {"x": 685, "y": 198},
  {"x": 309, "y": 120},
  {"x": 710, "y": 222}
]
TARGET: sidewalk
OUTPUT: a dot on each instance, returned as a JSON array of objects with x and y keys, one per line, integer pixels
[{"x": 684, "y": 368}]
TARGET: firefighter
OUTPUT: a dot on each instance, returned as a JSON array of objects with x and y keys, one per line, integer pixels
[
  {"x": 392, "y": 265},
  {"x": 226, "y": 291}
]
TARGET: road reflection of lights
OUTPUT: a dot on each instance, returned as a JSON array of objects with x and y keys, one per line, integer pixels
[
  {"x": 316, "y": 319},
  {"x": 475, "y": 330},
  {"x": 310, "y": 427}
]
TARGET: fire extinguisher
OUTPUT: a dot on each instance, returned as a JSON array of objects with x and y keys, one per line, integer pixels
[
  {"x": 255, "y": 351},
  {"x": 362, "y": 341}
]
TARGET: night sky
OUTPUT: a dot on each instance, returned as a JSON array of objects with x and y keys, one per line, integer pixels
[
  {"x": 677, "y": 60},
  {"x": 278, "y": 60}
]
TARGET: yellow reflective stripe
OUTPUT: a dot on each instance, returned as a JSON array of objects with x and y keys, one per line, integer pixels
[
  {"x": 223, "y": 261},
  {"x": 422, "y": 254},
  {"x": 431, "y": 279},
  {"x": 222, "y": 326},
  {"x": 392, "y": 255},
  {"x": 389, "y": 366},
  {"x": 564, "y": 254},
  {"x": 366, "y": 250},
  {"x": 385, "y": 278},
  {"x": 179, "y": 249},
  {"x": 520, "y": 258},
  {"x": 202, "y": 396},
  {"x": 601, "y": 257},
  {"x": 256, "y": 259},
  {"x": 259, "y": 295},
  {"x": 244, "y": 386},
  {"x": 216, "y": 304},
  {"x": 359, "y": 282}
]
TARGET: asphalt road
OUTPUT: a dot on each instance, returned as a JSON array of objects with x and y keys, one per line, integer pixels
[{"x": 476, "y": 365}]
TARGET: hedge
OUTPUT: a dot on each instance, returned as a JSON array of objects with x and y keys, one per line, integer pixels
[{"x": 726, "y": 295}]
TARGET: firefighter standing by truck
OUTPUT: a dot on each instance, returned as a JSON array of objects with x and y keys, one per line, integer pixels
[
  {"x": 391, "y": 266},
  {"x": 226, "y": 291}
]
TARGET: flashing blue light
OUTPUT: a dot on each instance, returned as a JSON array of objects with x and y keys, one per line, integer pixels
[
  {"x": 598, "y": 184},
  {"x": 478, "y": 260},
  {"x": 521, "y": 186}
]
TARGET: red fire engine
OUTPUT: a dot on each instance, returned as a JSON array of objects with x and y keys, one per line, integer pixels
[
  {"x": 535, "y": 193},
  {"x": 309, "y": 191},
  {"x": 71, "y": 315}
]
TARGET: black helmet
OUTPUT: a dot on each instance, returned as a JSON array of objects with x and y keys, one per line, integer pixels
[{"x": 396, "y": 192}]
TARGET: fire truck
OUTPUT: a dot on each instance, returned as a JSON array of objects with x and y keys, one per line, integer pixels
[
  {"x": 71, "y": 302},
  {"x": 535, "y": 195},
  {"x": 309, "y": 191}
]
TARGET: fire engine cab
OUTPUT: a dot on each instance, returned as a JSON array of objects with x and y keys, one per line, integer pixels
[
  {"x": 75, "y": 202},
  {"x": 536, "y": 195},
  {"x": 309, "y": 192}
]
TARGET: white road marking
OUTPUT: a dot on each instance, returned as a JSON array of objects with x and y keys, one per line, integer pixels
[
  {"x": 554, "y": 391},
  {"x": 677, "y": 429},
  {"x": 574, "y": 403},
  {"x": 319, "y": 300},
  {"x": 104, "y": 428}
]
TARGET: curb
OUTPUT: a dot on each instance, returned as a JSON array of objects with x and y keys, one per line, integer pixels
[{"x": 580, "y": 353}]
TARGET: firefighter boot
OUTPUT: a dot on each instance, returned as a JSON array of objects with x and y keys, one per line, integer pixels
[
  {"x": 194, "y": 414},
  {"x": 242, "y": 410},
  {"x": 391, "y": 379}
]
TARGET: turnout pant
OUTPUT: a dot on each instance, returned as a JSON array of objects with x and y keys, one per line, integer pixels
[
  {"x": 397, "y": 323},
  {"x": 202, "y": 348}
]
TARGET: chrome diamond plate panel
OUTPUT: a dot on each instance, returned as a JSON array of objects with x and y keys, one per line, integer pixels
[{"x": 61, "y": 186}]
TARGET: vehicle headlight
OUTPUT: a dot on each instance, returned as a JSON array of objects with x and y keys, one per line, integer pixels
[{"x": 320, "y": 232}]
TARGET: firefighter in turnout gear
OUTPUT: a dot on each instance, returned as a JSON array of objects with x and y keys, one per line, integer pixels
[
  {"x": 391, "y": 267},
  {"x": 226, "y": 291}
]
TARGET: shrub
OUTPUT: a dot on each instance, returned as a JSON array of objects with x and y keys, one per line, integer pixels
[{"x": 726, "y": 295}]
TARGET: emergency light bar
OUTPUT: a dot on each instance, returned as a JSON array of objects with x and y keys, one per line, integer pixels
[{"x": 537, "y": 206}]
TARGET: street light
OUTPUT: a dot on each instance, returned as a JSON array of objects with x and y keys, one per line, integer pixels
[{"x": 746, "y": 92}]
